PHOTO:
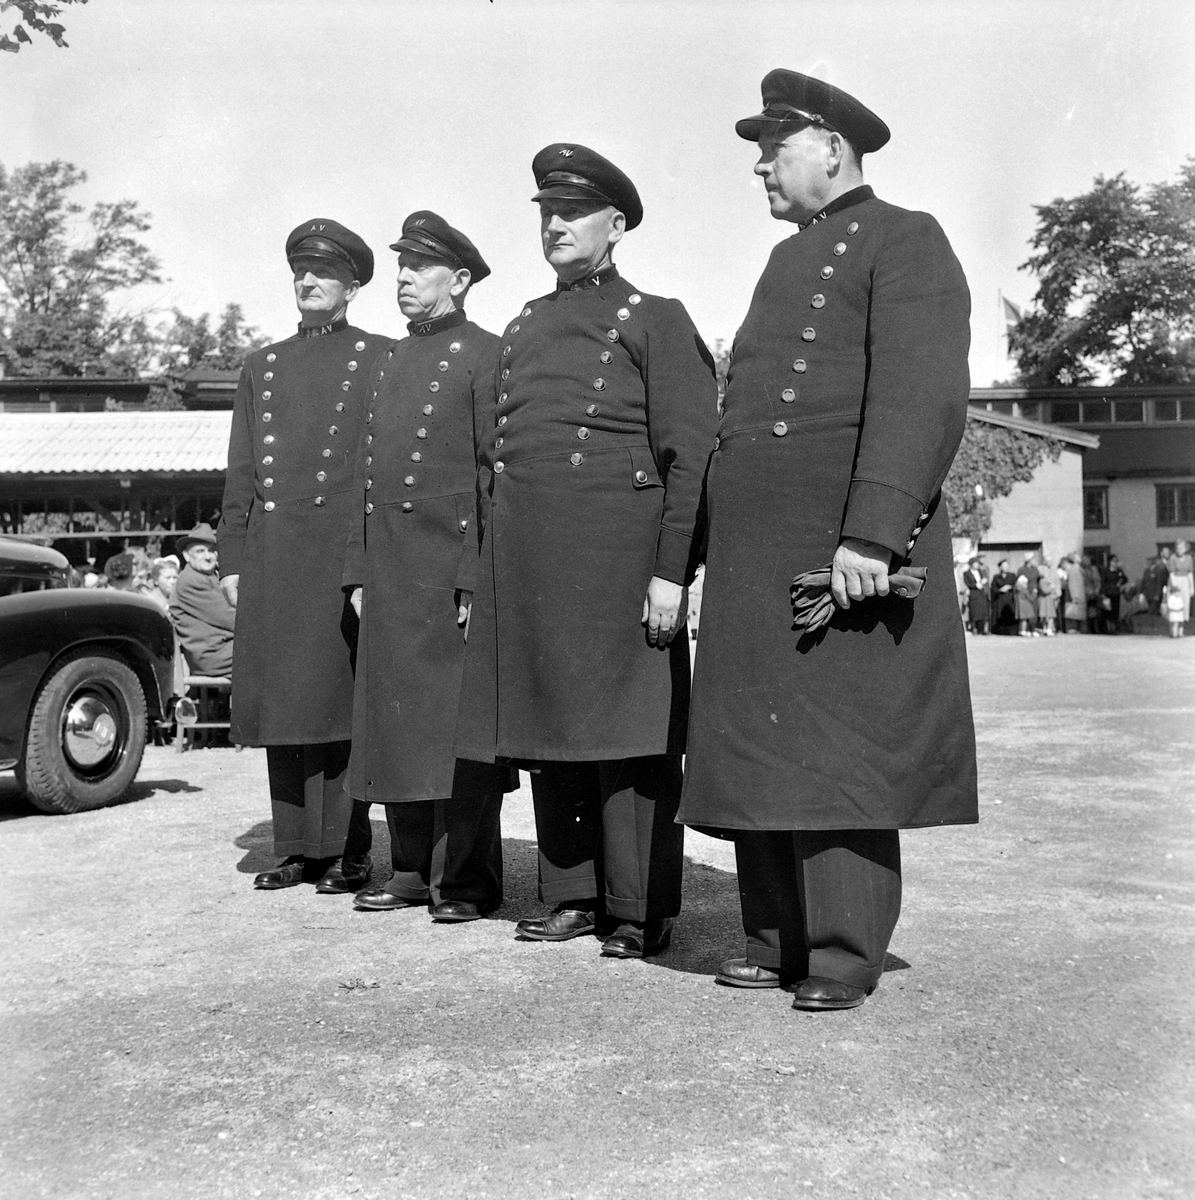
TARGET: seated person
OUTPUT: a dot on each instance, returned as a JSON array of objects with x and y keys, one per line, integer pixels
[
  {"x": 199, "y": 611},
  {"x": 164, "y": 574}
]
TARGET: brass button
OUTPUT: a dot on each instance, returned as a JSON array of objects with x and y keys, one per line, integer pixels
[
  {"x": 840, "y": 247},
  {"x": 352, "y": 364},
  {"x": 268, "y": 376},
  {"x": 268, "y": 460},
  {"x": 501, "y": 420},
  {"x": 599, "y": 385},
  {"x": 360, "y": 345},
  {"x": 340, "y": 406},
  {"x": 428, "y": 410},
  {"x": 505, "y": 351},
  {"x": 611, "y": 335},
  {"x": 576, "y": 458},
  {"x": 369, "y": 506},
  {"x": 327, "y": 453},
  {"x": 368, "y": 462},
  {"x": 409, "y": 481},
  {"x": 464, "y": 524},
  {"x": 319, "y": 502},
  {"x": 416, "y": 456},
  {"x": 267, "y": 482},
  {"x": 515, "y": 328},
  {"x": 271, "y": 357},
  {"x": 808, "y": 334},
  {"x": 421, "y": 433},
  {"x": 333, "y": 430},
  {"x": 266, "y": 395},
  {"x": 320, "y": 476},
  {"x": 640, "y": 476},
  {"x": 788, "y": 395},
  {"x": 717, "y": 442},
  {"x": 369, "y": 439},
  {"x": 407, "y": 506},
  {"x": 800, "y": 366},
  {"x": 502, "y": 398},
  {"x": 347, "y": 386},
  {"x": 780, "y": 429},
  {"x": 267, "y": 417},
  {"x": 455, "y": 348},
  {"x": 268, "y": 439},
  {"x": 269, "y": 506},
  {"x": 634, "y": 298},
  {"x": 368, "y": 418},
  {"x": 606, "y": 356},
  {"x": 368, "y": 485},
  {"x": 908, "y": 545},
  {"x": 923, "y": 517},
  {"x": 624, "y": 314},
  {"x": 444, "y": 365},
  {"x": 505, "y": 374},
  {"x": 382, "y": 374},
  {"x": 592, "y": 410},
  {"x": 583, "y": 433},
  {"x": 827, "y": 271},
  {"x": 434, "y": 386},
  {"x": 499, "y": 467},
  {"x": 526, "y": 312},
  {"x": 853, "y": 227},
  {"x": 818, "y": 301},
  {"x": 498, "y": 443}
]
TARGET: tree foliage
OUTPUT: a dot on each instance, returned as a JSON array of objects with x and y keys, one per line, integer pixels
[
  {"x": 34, "y": 16},
  {"x": 191, "y": 342},
  {"x": 1116, "y": 287},
  {"x": 989, "y": 462}
]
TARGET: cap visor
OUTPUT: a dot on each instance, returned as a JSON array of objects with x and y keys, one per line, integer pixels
[
  {"x": 422, "y": 248},
  {"x": 572, "y": 191}
]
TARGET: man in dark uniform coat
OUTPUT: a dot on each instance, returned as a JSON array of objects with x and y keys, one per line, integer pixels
[
  {"x": 288, "y": 510},
  {"x": 605, "y": 407},
  {"x": 411, "y": 567},
  {"x": 845, "y": 404}
]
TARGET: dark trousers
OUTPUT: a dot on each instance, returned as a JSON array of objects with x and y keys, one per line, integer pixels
[
  {"x": 608, "y": 837},
  {"x": 311, "y": 809},
  {"x": 447, "y": 849},
  {"x": 821, "y": 902}
]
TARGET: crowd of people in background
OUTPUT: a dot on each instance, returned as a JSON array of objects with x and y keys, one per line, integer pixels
[{"x": 1040, "y": 599}]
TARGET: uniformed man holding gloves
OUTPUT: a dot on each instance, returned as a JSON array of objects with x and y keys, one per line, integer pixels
[{"x": 289, "y": 506}]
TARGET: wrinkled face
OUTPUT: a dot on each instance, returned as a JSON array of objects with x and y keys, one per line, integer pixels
[
  {"x": 167, "y": 577},
  {"x": 201, "y": 557},
  {"x": 323, "y": 289},
  {"x": 578, "y": 235},
  {"x": 425, "y": 285},
  {"x": 793, "y": 167}
]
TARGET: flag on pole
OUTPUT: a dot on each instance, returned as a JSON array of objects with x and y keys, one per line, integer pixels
[{"x": 1012, "y": 314}]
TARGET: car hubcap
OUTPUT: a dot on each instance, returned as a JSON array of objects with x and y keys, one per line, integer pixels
[{"x": 89, "y": 731}]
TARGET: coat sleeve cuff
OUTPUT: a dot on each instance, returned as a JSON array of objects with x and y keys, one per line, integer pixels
[
  {"x": 231, "y": 551},
  {"x": 672, "y": 556},
  {"x": 885, "y": 515}
]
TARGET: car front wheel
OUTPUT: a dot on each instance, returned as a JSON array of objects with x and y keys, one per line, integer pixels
[{"x": 86, "y": 734}]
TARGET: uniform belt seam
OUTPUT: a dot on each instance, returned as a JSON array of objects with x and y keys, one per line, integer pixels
[{"x": 584, "y": 450}]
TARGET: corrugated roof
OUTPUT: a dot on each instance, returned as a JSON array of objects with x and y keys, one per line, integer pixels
[
  {"x": 1061, "y": 433},
  {"x": 113, "y": 442}
]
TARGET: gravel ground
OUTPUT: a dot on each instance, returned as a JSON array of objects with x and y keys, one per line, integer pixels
[{"x": 169, "y": 1032}]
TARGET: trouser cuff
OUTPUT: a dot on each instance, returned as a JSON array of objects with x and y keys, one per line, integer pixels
[
  {"x": 759, "y": 954},
  {"x": 308, "y": 850},
  {"x": 406, "y": 885},
  {"x": 835, "y": 964},
  {"x": 559, "y": 891}
]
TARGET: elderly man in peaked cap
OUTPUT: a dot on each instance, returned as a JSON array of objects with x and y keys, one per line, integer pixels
[
  {"x": 602, "y": 416},
  {"x": 289, "y": 508},
  {"x": 410, "y": 570},
  {"x": 844, "y": 407}
]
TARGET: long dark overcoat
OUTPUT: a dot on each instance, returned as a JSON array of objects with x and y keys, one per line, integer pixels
[
  {"x": 414, "y": 548},
  {"x": 845, "y": 404},
  {"x": 604, "y": 415},
  {"x": 288, "y": 510}
]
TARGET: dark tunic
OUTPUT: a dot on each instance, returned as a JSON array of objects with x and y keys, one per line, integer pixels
[
  {"x": 413, "y": 549},
  {"x": 604, "y": 414},
  {"x": 846, "y": 401},
  {"x": 1004, "y": 603},
  {"x": 979, "y": 606},
  {"x": 288, "y": 508}
]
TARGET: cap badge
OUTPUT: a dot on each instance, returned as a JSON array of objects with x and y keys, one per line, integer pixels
[
  {"x": 421, "y": 221},
  {"x": 565, "y": 153},
  {"x": 316, "y": 227}
]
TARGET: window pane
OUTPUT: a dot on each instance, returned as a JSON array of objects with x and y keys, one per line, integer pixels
[
  {"x": 1186, "y": 505},
  {"x": 1165, "y": 410},
  {"x": 1095, "y": 508},
  {"x": 1001, "y": 406},
  {"x": 1064, "y": 411},
  {"x": 1097, "y": 412},
  {"x": 1030, "y": 410},
  {"x": 1187, "y": 410},
  {"x": 1129, "y": 410}
]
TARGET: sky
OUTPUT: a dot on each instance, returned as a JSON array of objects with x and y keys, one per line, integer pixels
[{"x": 232, "y": 121}]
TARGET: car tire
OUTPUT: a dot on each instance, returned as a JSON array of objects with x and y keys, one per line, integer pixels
[{"x": 86, "y": 734}]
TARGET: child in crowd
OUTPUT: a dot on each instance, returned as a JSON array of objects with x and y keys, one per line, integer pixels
[{"x": 1176, "y": 610}]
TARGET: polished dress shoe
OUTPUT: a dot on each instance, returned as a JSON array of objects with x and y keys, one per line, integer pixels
[
  {"x": 738, "y": 972},
  {"x": 559, "y": 927},
  {"x": 456, "y": 910},
  {"x": 817, "y": 993},
  {"x": 377, "y": 899},
  {"x": 344, "y": 875},
  {"x": 286, "y": 874},
  {"x": 632, "y": 940}
]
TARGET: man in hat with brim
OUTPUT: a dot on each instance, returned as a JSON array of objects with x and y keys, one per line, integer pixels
[
  {"x": 844, "y": 407},
  {"x": 600, "y": 425},
  {"x": 289, "y": 508},
  {"x": 410, "y": 569},
  {"x": 199, "y": 610}
]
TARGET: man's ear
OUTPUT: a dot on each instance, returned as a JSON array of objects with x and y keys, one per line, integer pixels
[
  {"x": 351, "y": 291},
  {"x": 461, "y": 278},
  {"x": 618, "y": 226}
]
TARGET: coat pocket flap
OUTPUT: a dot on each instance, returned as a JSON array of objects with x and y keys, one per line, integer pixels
[{"x": 643, "y": 468}]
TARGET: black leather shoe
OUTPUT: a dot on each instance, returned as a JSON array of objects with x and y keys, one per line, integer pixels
[
  {"x": 559, "y": 927},
  {"x": 286, "y": 874},
  {"x": 738, "y": 972},
  {"x": 456, "y": 910},
  {"x": 631, "y": 940},
  {"x": 816, "y": 994},
  {"x": 344, "y": 875},
  {"x": 377, "y": 899}
]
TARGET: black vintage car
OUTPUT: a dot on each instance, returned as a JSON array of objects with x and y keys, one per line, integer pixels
[{"x": 82, "y": 673}]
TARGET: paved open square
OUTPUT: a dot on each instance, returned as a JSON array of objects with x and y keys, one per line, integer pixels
[{"x": 168, "y": 1031}]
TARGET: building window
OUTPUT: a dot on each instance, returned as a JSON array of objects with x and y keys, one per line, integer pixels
[
  {"x": 1176, "y": 503},
  {"x": 1095, "y": 508},
  {"x": 1098, "y": 555},
  {"x": 1064, "y": 412},
  {"x": 1174, "y": 410},
  {"x": 1097, "y": 412},
  {"x": 1128, "y": 410}
]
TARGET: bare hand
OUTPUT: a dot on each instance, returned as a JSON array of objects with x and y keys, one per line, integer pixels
[
  {"x": 228, "y": 585},
  {"x": 860, "y": 570},
  {"x": 355, "y": 597},
  {"x": 464, "y": 611},
  {"x": 665, "y": 610}
]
